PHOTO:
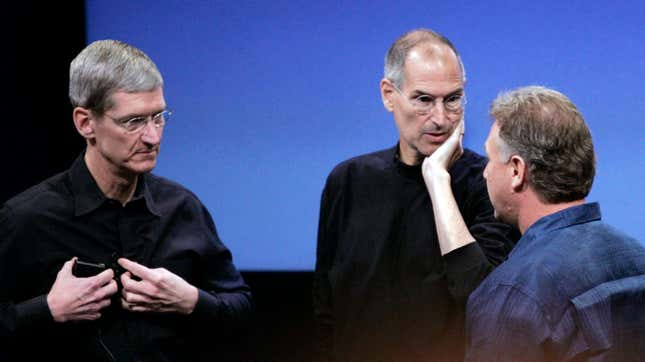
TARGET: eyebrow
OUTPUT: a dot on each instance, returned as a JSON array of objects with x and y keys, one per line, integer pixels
[
  {"x": 135, "y": 115},
  {"x": 417, "y": 93}
]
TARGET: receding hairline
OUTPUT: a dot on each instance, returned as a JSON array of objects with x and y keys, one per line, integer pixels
[{"x": 429, "y": 43}]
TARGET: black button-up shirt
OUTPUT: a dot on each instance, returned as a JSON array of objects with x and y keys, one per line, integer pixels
[{"x": 163, "y": 225}]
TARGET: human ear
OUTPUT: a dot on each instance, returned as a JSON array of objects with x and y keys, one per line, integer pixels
[
  {"x": 386, "y": 94},
  {"x": 83, "y": 122},
  {"x": 517, "y": 168}
]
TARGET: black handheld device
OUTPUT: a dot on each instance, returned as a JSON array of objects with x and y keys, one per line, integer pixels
[
  {"x": 86, "y": 269},
  {"x": 83, "y": 269}
]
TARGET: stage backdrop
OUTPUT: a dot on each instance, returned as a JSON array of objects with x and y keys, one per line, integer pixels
[{"x": 269, "y": 95}]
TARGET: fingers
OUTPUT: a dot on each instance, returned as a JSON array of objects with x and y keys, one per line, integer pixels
[
  {"x": 133, "y": 307},
  {"x": 458, "y": 132},
  {"x": 104, "y": 277},
  {"x": 136, "y": 268},
  {"x": 142, "y": 287},
  {"x": 107, "y": 291},
  {"x": 67, "y": 266},
  {"x": 91, "y": 311}
]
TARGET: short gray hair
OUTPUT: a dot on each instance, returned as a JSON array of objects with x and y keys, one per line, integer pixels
[
  {"x": 398, "y": 52},
  {"x": 105, "y": 67},
  {"x": 546, "y": 129}
]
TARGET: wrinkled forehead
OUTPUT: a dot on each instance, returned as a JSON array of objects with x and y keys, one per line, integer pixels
[
  {"x": 434, "y": 61},
  {"x": 138, "y": 102}
]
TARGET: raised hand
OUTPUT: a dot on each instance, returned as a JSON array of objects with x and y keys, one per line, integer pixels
[
  {"x": 71, "y": 298},
  {"x": 449, "y": 152},
  {"x": 158, "y": 290}
]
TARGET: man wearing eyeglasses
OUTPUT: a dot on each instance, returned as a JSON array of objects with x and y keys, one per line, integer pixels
[
  {"x": 106, "y": 261},
  {"x": 406, "y": 233}
]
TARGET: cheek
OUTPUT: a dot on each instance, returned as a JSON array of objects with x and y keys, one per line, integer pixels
[{"x": 406, "y": 124}]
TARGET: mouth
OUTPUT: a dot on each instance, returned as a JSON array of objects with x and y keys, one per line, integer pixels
[
  {"x": 146, "y": 152},
  {"x": 435, "y": 137}
]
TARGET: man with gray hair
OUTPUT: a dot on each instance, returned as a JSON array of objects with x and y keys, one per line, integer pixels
[
  {"x": 407, "y": 232},
  {"x": 573, "y": 288},
  {"x": 106, "y": 261}
]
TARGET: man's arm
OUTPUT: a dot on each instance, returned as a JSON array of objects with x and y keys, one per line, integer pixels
[
  {"x": 69, "y": 299},
  {"x": 470, "y": 252},
  {"x": 451, "y": 228},
  {"x": 217, "y": 294},
  {"x": 322, "y": 305}
]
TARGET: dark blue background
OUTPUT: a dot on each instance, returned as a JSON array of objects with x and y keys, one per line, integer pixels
[{"x": 269, "y": 95}]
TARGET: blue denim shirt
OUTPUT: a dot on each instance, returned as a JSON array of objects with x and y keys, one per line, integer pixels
[{"x": 551, "y": 300}]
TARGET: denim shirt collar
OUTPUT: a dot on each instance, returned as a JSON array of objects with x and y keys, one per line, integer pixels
[{"x": 573, "y": 215}]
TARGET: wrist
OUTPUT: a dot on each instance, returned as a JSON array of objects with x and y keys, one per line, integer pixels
[
  {"x": 53, "y": 310},
  {"x": 436, "y": 176},
  {"x": 191, "y": 302}
]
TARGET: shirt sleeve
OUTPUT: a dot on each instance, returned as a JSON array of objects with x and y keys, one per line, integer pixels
[
  {"x": 505, "y": 324},
  {"x": 16, "y": 316},
  {"x": 224, "y": 297},
  {"x": 467, "y": 266},
  {"x": 323, "y": 316}
]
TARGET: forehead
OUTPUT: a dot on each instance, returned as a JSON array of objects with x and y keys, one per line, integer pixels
[
  {"x": 492, "y": 136},
  {"x": 433, "y": 63},
  {"x": 138, "y": 102}
]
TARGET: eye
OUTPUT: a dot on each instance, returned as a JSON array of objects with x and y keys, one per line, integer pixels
[
  {"x": 157, "y": 116},
  {"x": 456, "y": 98},
  {"x": 134, "y": 123},
  {"x": 424, "y": 100}
]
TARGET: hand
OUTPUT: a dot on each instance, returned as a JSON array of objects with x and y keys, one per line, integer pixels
[
  {"x": 72, "y": 298},
  {"x": 159, "y": 290},
  {"x": 446, "y": 155}
]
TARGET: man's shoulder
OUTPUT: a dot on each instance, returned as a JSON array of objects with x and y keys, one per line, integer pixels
[
  {"x": 164, "y": 188},
  {"x": 471, "y": 162},
  {"x": 53, "y": 191},
  {"x": 160, "y": 185},
  {"x": 565, "y": 262},
  {"x": 377, "y": 160}
]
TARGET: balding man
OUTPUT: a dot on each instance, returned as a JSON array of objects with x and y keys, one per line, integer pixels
[{"x": 406, "y": 233}]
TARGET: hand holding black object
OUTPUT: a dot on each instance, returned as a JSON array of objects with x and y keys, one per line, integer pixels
[{"x": 73, "y": 298}]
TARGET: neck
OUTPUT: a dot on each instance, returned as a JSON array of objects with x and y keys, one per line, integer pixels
[
  {"x": 114, "y": 184},
  {"x": 535, "y": 209},
  {"x": 407, "y": 157}
]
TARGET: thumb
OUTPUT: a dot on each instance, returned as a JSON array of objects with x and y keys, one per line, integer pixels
[{"x": 67, "y": 267}]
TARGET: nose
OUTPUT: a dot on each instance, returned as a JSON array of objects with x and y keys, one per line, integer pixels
[
  {"x": 438, "y": 114},
  {"x": 151, "y": 134}
]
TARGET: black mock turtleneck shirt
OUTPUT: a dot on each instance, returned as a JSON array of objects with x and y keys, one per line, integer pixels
[{"x": 382, "y": 289}]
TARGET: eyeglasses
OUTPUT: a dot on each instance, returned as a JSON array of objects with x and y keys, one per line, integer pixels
[
  {"x": 136, "y": 124},
  {"x": 424, "y": 103}
]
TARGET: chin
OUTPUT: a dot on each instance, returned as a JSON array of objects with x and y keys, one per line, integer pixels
[
  {"x": 143, "y": 167},
  {"x": 429, "y": 150}
]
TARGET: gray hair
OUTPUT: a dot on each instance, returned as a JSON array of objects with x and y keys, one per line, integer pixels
[
  {"x": 398, "y": 53},
  {"x": 105, "y": 67},
  {"x": 546, "y": 129}
]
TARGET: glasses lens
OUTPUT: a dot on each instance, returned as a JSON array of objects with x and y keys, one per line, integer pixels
[
  {"x": 165, "y": 116},
  {"x": 161, "y": 118},
  {"x": 135, "y": 124},
  {"x": 453, "y": 104}
]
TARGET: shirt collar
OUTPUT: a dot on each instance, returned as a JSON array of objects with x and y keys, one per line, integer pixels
[
  {"x": 88, "y": 196},
  {"x": 410, "y": 172},
  {"x": 570, "y": 216}
]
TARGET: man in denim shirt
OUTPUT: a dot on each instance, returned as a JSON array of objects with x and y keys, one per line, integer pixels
[{"x": 573, "y": 288}]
